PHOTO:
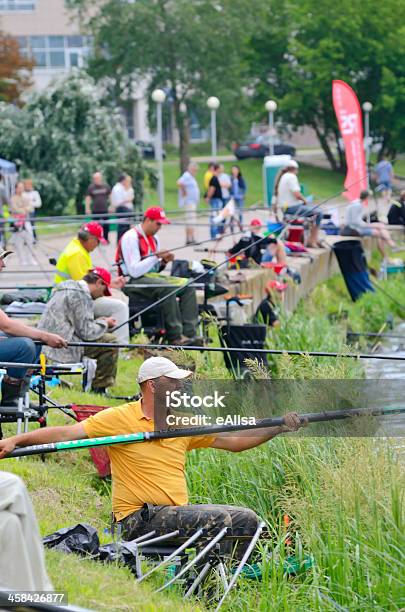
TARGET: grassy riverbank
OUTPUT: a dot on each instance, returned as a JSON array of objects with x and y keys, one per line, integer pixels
[{"x": 344, "y": 495}]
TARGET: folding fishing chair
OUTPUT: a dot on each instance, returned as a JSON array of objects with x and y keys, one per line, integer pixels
[
  {"x": 248, "y": 336},
  {"x": 185, "y": 564}
]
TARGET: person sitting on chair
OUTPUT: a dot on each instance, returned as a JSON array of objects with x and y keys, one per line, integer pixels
[
  {"x": 75, "y": 261},
  {"x": 396, "y": 213},
  {"x": 71, "y": 311},
  {"x": 139, "y": 256},
  {"x": 17, "y": 346},
  {"x": 356, "y": 226},
  {"x": 266, "y": 311},
  {"x": 289, "y": 198},
  {"x": 262, "y": 249},
  {"x": 149, "y": 480}
]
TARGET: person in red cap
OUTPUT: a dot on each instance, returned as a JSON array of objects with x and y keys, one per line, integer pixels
[
  {"x": 70, "y": 312},
  {"x": 256, "y": 249},
  {"x": 266, "y": 312},
  {"x": 75, "y": 261},
  {"x": 139, "y": 257}
]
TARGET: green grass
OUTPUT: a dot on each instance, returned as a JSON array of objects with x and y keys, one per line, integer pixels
[
  {"x": 321, "y": 183},
  {"x": 345, "y": 496}
]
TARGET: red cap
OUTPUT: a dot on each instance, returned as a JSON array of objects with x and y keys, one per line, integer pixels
[
  {"x": 105, "y": 277},
  {"x": 95, "y": 229},
  {"x": 256, "y": 223},
  {"x": 156, "y": 214},
  {"x": 275, "y": 284}
]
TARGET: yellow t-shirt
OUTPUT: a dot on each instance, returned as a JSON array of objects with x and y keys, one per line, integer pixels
[
  {"x": 207, "y": 177},
  {"x": 143, "y": 472},
  {"x": 73, "y": 263}
]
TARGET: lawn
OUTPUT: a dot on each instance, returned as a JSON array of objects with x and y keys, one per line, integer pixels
[
  {"x": 319, "y": 182},
  {"x": 344, "y": 495}
]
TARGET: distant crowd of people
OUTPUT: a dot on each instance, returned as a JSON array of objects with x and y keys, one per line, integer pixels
[
  {"x": 20, "y": 208},
  {"x": 220, "y": 189}
]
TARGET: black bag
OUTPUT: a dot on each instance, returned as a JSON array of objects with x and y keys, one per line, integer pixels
[
  {"x": 82, "y": 539},
  {"x": 250, "y": 336}
]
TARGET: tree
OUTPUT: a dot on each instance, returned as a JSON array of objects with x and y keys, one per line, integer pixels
[
  {"x": 303, "y": 45},
  {"x": 15, "y": 70},
  {"x": 191, "y": 48},
  {"x": 64, "y": 134}
]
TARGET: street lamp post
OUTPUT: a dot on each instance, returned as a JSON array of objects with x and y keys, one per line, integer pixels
[
  {"x": 213, "y": 104},
  {"x": 367, "y": 107},
  {"x": 271, "y": 107},
  {"x": 159, "y": 96}
]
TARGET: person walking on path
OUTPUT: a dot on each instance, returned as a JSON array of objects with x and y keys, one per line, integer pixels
[
  {"x": 75, "y": 261},
  {"x": 122, "y": 201},
  {"x": 22, "y": 237},
  {"x": 207, "y": 176},
  {"x": 189, "y": 199},
  {"x": 214, "y": 197},
  {"x": 238, "y": 192},
  {"x": 71, "y": 311},
  {"x": 384, "y": 175},
  {"x": 139, "y": 256},
  {"x": 97, "y": 202},
  {"x": 36, "y": 203}
]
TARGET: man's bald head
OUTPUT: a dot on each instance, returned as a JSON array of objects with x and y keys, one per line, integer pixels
[{"x": 97, "y": 178}]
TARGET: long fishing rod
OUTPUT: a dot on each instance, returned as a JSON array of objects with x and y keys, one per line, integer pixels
[
  {"x": 187, "y": 284},
  {"x": 220, "y": 349},
  {"x": 311, "y": 417},
  {"x": 224, "y": 262},
  {"x": 375, "y": 335}
]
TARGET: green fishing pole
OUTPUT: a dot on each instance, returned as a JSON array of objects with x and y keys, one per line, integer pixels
[{"x": 148, "y": 436}]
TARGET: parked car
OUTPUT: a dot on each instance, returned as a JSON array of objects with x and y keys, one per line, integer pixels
[
  {"x": 258, "y": 146},
  {"x": 147, "y": 149}
]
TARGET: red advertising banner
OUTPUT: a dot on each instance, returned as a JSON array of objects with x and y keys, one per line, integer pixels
[{"x": 349, "y": 116}]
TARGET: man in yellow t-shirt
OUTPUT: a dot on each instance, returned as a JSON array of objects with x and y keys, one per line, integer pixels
[
  {"x": 73, "y": 264},
  {"x": 208, "y": 174},
  {"x": 149, "y": 490}
]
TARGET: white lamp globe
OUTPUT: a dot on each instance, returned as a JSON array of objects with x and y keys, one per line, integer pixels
[
  {"x": 158, "y": 96},
  {"x": 367, "y": 107},
  {"x": 213, "y": 103},
  {"x": 271, "y": 106}
]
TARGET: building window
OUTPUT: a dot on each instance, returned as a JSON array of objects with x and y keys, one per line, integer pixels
[
  {"x": 17, "y": 5},
  {"x": 55, "y": 52}
]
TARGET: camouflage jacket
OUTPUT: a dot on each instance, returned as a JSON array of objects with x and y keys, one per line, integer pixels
[{"x": 70, "y": 313}]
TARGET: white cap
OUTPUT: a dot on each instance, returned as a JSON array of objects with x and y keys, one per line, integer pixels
[
  {"x": 160, "y": 366},
  {"x": 292, "y": 164}
]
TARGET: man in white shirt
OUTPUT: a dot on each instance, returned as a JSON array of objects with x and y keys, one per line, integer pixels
[
  {"x": 122, "y": 201},
  {"x": 189, "y": 198},
  {"x": 36, "y": 202},
  {"x": 139, "y": 256},
  {"x": 356, "y": 226},
  {"x": 292, "y": 202}
]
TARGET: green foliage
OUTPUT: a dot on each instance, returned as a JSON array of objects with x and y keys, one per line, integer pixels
[
  {"x": 191, "y": 49},
  {"x": 299, "y": 47},
  {"x": 64, "y": 134}
]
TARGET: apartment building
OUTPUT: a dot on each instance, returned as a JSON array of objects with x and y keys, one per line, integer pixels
[{"x": 47, "y": 32}]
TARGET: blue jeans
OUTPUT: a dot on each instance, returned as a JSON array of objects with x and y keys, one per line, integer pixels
[
  {"x": 216, "y": 206},
  {"x": 303, "y": 210},
  {"x": 240, "y": 203},
  {"x": 18, "y": 350}
]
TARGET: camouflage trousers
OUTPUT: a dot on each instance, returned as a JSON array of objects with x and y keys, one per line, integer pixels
[
  {"x": 106, "y": 362},
  {"x": 188, "y": 519}
]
